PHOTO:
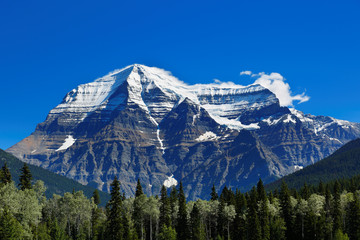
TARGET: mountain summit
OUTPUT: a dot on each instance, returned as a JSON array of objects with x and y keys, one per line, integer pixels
[{"x": 142, "y": 122}]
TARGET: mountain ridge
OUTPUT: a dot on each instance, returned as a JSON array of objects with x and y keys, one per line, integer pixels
[{"x": 143, "y": 123}]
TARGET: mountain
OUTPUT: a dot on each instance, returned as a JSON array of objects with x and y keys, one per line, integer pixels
[
  {"x": 344, "y": 163},
  {"x": 142, "y": 122},
  {"x": 55, "y": 184}
]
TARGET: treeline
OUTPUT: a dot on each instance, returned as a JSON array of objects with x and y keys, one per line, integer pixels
[{"x": 328, "y": 211}]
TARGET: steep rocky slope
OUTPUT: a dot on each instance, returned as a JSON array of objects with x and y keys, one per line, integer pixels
[{"x": 141, "y": 122}]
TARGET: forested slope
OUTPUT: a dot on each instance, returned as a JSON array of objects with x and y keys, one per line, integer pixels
[
  {"x": 344, "y": 163},
  {"x": 54, "y": 183}
]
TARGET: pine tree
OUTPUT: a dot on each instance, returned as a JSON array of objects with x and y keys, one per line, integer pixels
[
  {"x": 195, "y": 222},
  {"x": 182, "y": 221},
  {"x": 240, "y": 224},
  {"x": 336, "y": 211},
  {"x": 139, "y": 190},
  {"x": 263, "y": 211},
  {"x": 305, "y": 192},
  {"x": 321, "y": 189},
  {"x": 173, "y": 202},
  {"x": 253, "y": 224},
  {"x": 114, "y": 227},
  {"x": 354, "y": 218},
  {"x": 165, "y": 218},
  {"x": 96, "y": 197},
  {"x": 10, "y": 228},
  {"x": 25, "y": 178},
  {"x": 5, "y": 175},
  {"x": 214, "y": 195},
  {"x": 286, "y": 210}
]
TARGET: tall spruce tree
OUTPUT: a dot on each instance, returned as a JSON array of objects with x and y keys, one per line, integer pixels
[
  {"x": 253, "y": 224},
  {"x": 182, "y": 228},
  {"x": 286, "y": 210},
  {"x": 214, "y": 195},
  {"x": 96, "y": 197},
  {"x": 25, "y": 178},
  {"x": 114, "y": 225},
  {"x": 263, "y": 211},
  {"x": 5, "y": 175},
  {"x": 139, "y": 189},
  {"x": 164, "y": 218},
  {"x": 173, "y": 202},
  {"x": 240, "y": 222},
  {"x": 336, "y": 210},
  {"x": 197, "y": 230},
  {"x": 353, "y": 222}
]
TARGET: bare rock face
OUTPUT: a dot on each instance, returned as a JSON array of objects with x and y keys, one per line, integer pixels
[{"x": 142, "y": 123}]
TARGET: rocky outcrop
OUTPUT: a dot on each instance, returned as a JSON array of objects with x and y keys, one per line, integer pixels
[{"x": 142, "y": 123}]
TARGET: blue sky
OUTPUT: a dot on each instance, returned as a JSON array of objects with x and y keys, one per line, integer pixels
[{"x": 49, "y": 47}]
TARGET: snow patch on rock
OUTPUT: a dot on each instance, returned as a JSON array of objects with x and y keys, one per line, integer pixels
[
  {"x": 69, "y": 141},
  {"x": 208, "y": 136},
  {"x": 171, "y": 181}
]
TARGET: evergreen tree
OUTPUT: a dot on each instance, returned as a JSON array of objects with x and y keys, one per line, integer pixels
[
  {"x": 173, "y": 202},
  {"x": 25, "y": 178},
  {"x": 353, "y": 214},
  {"x": 139, "y": 190},
  {"x": 5, "y": 175},
  {"x": 167, "y": 233},
  {"x": 286, "y": 210},
  {"x": 139, "y": 215},
  {"x": 336, "y": 211},
  {"x": 114, "y": 225},
  {"x": 96, "y": 197},
  {"x": 165, "y": 219},
  {"x": 214, "y": 195},
  {"x": 321, "y": 189},
  {"x": 240, "y": 223},
  {"x": 305, "y": 192},
  {"x": 195, "y": 220},
  {"x": 182, "y": 221},
  {"x": 253, "y": 224},
  {"x": 263, "y": 211},
  {"x": 339, "y": 235},
  {"x": 10, "y": 228}
]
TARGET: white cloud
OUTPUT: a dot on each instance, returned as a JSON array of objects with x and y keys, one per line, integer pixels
[
  {"x": 275, "y": 82},
  {"x": 246, "y": 73}
]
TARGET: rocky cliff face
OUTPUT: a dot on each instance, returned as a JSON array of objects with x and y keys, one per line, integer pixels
[{"x": 141, "y": 122}]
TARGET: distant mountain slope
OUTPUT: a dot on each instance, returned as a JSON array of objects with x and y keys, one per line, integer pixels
[
  {"x": 54, "y": 183},
  {"x": 344, "y": 163},
  {"x": 142, "y": 123}
]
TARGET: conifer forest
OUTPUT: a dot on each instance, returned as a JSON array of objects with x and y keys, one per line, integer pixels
[{"x": 326, "y": 211}]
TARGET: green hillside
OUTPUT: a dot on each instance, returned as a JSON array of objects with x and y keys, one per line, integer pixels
[
  {"x": 55, "y": 183},
  {"x": 343, "y": 164}
]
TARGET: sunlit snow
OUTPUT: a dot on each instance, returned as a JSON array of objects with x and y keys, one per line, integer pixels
[
  {"x": 171, "y": 181},
  {"x": 69, "y": 141},
  {"x": 208, "y": 136}
]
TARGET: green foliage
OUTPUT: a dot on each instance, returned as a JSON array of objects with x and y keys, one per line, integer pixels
[
  {"x": 25, "y": 178},
  {"x": 167, "y": 233},
  {"x": 139, "y": 190},
  {"x": 5, "y": 175},
  {"x": 55, "y": 184},
  {"x": 165, "y": 218},
  {"x": 115, "y": 215},
  {"x": 10, "y": 228},
  {"x": 339, "y": 235},
  {"x": 343, "y": 164},
  {"x": 96, "y": 197},
  {"x": 316, "y": 213},
  {"x": 182, "y": 228}
]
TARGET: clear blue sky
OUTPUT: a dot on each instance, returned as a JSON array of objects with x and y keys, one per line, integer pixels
[{"x": 49, "y": 47}]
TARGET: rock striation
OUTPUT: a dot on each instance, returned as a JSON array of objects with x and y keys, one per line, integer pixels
[{"x": 142, "y": 123}]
